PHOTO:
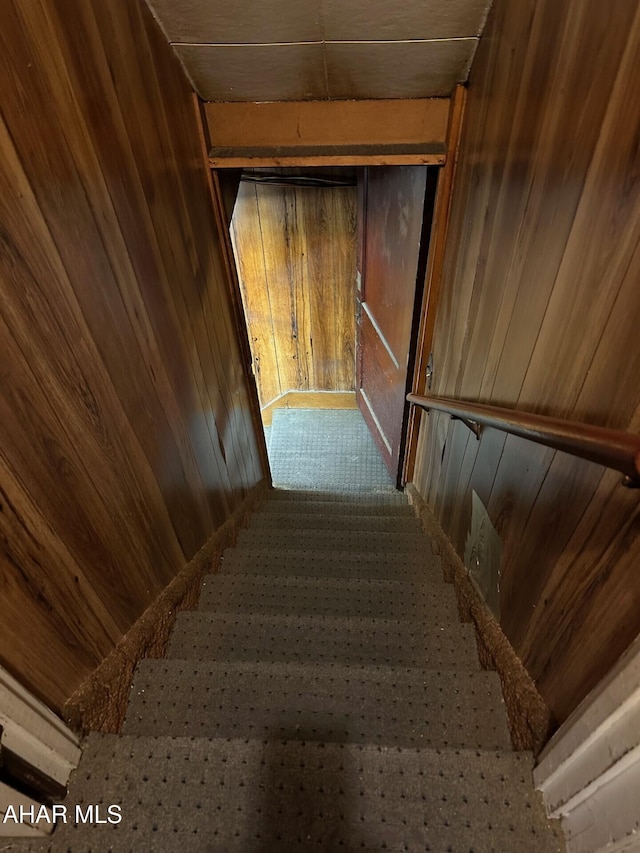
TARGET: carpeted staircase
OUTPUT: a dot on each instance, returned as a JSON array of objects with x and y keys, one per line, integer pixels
[{"x": 324, "y": 696}]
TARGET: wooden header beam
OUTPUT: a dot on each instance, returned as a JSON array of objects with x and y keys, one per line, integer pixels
[{"x": 320, "y": 133}]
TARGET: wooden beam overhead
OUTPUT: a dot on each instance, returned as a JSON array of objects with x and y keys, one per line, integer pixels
[
  {"x": 238, "y": 159},
  {"x": 317, "y": 133}
]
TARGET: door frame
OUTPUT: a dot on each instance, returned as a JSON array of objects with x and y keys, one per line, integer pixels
[
  {"x": 233, "y": 284},
  {"x": 427, "y": 135},
  {"x": 433, "y": 279}
]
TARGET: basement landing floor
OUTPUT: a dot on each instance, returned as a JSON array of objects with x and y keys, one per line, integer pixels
[{"x": 325, "y": 450}]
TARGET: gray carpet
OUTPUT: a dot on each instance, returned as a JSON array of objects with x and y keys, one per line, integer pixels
[
  {"x": 322, "y": 450},
  {"x": 323, "y": 696}
]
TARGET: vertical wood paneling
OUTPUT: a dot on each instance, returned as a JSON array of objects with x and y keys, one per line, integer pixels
[
  {"x": 276, "y": 227},
  {"x": 247, "y": 247},
  {"x": 47, "y": 593},
  {"x": 295, "y": 250},
  {"x": 127, "y": 436},
  {"x": 539, "y": 310}
]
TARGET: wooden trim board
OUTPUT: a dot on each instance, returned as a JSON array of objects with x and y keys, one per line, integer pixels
[
  {"x": 528, "y": 714},
  {"x": 9, "y": 828},
  {"x": 101, "y": 701},
  {"x": 435, "y": 266},
  {"x": 233, "y": 285},
  {"x": 34, "y": 733},
  {"x": 299, "y": 124},
  {"x": 309, "y": 400},
  {"x": 593, "y": 761},
  {"x": 239, "y": 158}
]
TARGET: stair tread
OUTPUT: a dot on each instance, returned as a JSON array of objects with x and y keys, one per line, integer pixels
[
  {"x": 311, "y": 507},
  {"x": 334, "y": 521},
  {"x": 394, "y": 681},
  {"x": 424, "y": 560},
  {"x": 390, "y": 586},
  {"x": 385, "y": 497},
  {"x": 323, "y": 639},
  {"x": 340, "y": 540},
  {"x": 390, "y": 599},
  {"x": 367, "y": 705},
  {"x": 248, "y": 794},
  {"x": 327, "y": 563}
]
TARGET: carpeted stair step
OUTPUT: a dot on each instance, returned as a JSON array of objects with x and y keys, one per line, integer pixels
[
  {"x": 309, "y": 596},
  {"x": 312, "y": 507},
  {"x": 385, "y": 497},
  {"x": 328, "y": 563},
  {"x": 322, "y": 639},
  {"x": 330, "y": 699},
  {"x": 249, "y": 795},
  {"x": 358, "y": 542},
  {"x": 382, "y": 705},
  {"x": 274, "y": 521}
]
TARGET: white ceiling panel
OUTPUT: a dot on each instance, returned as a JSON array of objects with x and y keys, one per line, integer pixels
[
  {"x": 397, "y": 69},
  {"x": 272, "y": 50},
  {"x": 290, "y": 72},
  {"x": 238, "y": 21},
  {"x": 380, "y": 20}
]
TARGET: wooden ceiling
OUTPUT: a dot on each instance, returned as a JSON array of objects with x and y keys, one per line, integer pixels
[{"x": 278, "y": 50}]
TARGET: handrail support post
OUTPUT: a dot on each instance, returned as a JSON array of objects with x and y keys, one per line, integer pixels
[
  {"x": 631, "y": 482},
  {"x": 474, "y": 426}
]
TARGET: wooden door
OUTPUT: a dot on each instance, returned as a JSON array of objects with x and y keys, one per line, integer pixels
[{"x": 391, "y": 256}]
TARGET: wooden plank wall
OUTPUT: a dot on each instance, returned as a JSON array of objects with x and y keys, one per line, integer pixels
[
  {"x": 540, "y": 310},
  {"x": 295, "y": 252},
  {"x": 126, "y": 432}
]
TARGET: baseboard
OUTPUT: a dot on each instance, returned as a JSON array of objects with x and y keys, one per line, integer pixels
[
  {"x": 530, "y": 720},
  {"x": 100, "y": 702},
  {"x": 309, "y": 400},
  {"x": 47, "y": 750}
]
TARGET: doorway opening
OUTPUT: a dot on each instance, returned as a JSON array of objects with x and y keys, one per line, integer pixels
[{"x": 331, "y": 266}]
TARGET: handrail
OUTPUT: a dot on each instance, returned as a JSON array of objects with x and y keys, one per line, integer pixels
[{"x": 609, "y": 447}]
